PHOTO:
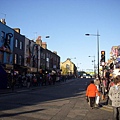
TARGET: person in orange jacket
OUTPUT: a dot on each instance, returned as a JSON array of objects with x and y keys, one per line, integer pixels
[{"x": 91, "y": 93}]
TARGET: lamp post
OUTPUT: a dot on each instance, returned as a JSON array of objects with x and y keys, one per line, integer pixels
[
  {"x": 94, "y": 64},
  {"x": 38, "y": 42},
  {"x": 97, "y": 48},
  {"x": 37, "y": 58}
]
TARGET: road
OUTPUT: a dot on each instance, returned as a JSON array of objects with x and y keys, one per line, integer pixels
[{"x": 56, "y": 102}]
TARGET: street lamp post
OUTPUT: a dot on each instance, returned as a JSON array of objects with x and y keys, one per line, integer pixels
[
  {"x": 97, "y": 48},
  {"x": 38, "y": 42},
  {"x": 37, "y": 58},
  {"x": 94, "y": 64}
]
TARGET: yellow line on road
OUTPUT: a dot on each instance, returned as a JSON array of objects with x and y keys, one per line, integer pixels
[{"x": 107, "y": 109}]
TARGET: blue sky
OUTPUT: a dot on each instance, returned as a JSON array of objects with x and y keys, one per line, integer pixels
[{"x": 67, "y": 22}]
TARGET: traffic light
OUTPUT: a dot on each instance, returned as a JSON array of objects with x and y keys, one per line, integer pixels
[{"x": 102, "y": 56}]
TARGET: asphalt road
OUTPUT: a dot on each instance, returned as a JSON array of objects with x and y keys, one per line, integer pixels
[{"x": 64, "y": 101}]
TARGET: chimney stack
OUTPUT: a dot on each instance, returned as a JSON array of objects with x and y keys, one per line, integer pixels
[
  {"x": 44, "y": 45},
  {"x": 3, "y": 21},
  {"x": 39, "y": 41},
  {"x": 17, "y": 30},
  {"x": 55, "y": 52}
]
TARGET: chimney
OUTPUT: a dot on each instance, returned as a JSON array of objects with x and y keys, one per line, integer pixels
[
  {"x": 55, "y": 52},
  {"x": 39, "y": 41},
  {"x": 44, "y": 45},
  {"x": 17, "y": 30},
  {"x": 3, "y": 21}
]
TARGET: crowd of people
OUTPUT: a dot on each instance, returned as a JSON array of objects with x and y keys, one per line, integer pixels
[
  {"x": 28, "y": 80},
  {"x": 108, "y": 89}
]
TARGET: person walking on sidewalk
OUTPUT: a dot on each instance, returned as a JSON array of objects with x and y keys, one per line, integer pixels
[
  {"x": 28, "y": 81},
  {"x": 114, "y": 95},
  {"x": 91, "y": 93},
  {"x": 97, "y": 83},
  {"x": 103, "y": 88}
]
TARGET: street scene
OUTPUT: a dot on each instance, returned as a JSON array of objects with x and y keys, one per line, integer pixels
[
  {"x": 59, "y": 60},
  {"x": 63, "y": 101}
]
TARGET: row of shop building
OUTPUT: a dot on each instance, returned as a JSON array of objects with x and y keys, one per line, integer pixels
[{"x": 21, "y": 55}]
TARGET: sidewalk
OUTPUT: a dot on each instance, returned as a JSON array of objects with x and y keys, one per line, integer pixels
[
  {"x": 103, "y": 104},
  {"x": 16, "y": 89}
]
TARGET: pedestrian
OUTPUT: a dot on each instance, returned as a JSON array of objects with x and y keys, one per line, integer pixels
[
  {"x": 41, "y": 78},
  {"x": 111, "y": 83},
  {"x": 28, "y": 82},
  {"x": 107, "y": 76},
  {"x": 97, "y": 99},
  {"x": 91, "y": 93},
  {"x": 103, "y": 88},
  {"x": 19, "y": 81},
  {"x": 114, "y": 95},
  {"x": 13, "y": 82},
  {"x": 54, "y": 78},
  {"x": 108, "y": 101}
]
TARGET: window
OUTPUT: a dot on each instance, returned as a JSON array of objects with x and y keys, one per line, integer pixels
[
  {"x": 44, "y": 55},
  {"x": 16, "y": 43},
  {"x": 27, "y": 49},
  {"x": 20, "y": 60},
  {"x": 2, "y": 36},
  {"x": 47, "y": 59},
  {"x": 20, "y": 45},
  {"x": 67, "y": 66},
  {"x": 47, "y": 55},
  {"x": 41, "y": 55},
  {"x": 15, "y": 59},
  {"x": 8, "y": 39}
]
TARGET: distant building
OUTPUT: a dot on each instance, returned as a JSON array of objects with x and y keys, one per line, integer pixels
[{"x": 68, "y": 67}]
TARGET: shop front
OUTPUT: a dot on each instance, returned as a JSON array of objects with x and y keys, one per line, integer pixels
[
  {"x": 20, "y": 69},
  {"x": 3, "y": 78}
]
